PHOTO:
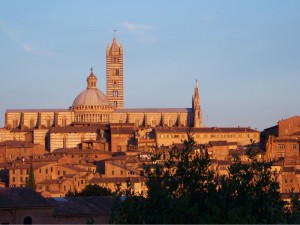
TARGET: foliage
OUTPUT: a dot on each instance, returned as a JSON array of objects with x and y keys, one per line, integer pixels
[
  {"x": 127, "y": 206},
  {"x": 184, "y": 189},
  {"x": 92, "y": 190},
  {"x": 293, "y": 208},
  {"x": 250, "y": 193},
  {"x": 31, "y": 180}
]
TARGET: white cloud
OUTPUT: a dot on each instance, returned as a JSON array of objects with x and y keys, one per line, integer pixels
[
  {"x": 141, "y": 31},
  {"x": 15, "y": 36}
]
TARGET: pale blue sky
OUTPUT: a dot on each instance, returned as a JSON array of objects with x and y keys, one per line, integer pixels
[{"x": 245, "y": 55}]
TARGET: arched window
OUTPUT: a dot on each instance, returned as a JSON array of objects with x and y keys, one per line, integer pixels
[
  {"x": 27, "y": 220},
  {"x": 115, "y": 104}
]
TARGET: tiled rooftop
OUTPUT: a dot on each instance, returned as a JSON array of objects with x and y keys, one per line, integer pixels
[{"x": 21, "y": 198}]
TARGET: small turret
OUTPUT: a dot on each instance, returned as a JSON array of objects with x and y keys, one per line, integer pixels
[{"x": 91, "y": 80}]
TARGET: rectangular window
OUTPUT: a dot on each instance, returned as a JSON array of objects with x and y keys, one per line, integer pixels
[
  {"x": 21, "y": 179},
  {"x": 112, "y": 172},
  {"x": 281, "y": 146},
  {"x": 294, "y": 146},
  {"x": 21, "y": 171}
]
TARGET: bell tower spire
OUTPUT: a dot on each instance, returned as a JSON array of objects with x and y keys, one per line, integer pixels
[
  {"x": 196, "y": 107},
  {"x": 114, "y": 74}
]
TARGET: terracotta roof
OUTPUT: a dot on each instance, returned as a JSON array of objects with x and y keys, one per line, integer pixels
[
  {"x": 53, "y": 181},
  {"x": 87, "y": 205},
  {"x": 295, "y": 134},
  {"x": 69, "y": 176},
  {"x": 116, "y": 180},
  {"x": 286, "y": 139},
  {"x": 154, "y": 110},
  {"x": 17, "y": 144},
  {"x": 80, "y": 151},
  {"x": 77, "y": 169},
  {"x": 205, "y": 130},
  {"x": 27, "y": 166},
  {"x": 21, "y": 198}
]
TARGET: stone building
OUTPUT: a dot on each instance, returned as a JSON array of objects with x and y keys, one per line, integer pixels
[
  {"x": 25, "y": 206},
  {"x": 282, "y": 143},
  {"x": 66, "y": 128}
]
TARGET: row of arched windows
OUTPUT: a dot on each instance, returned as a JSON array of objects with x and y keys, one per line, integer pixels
[{"x": 92, "y": 117}]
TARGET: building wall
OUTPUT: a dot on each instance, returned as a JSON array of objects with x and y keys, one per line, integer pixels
[
  {"x": 289, "y": 126},
  {"x": 10, "y": 153},
  {"x": 69, "y": 140},
  {"x": 219, "y": 152},
  {"x": 288, "y": 181},
  {"x": 168, "y": 138},
  {"x": 35, "y": 118},
  {"x": 17, "y": 216}
]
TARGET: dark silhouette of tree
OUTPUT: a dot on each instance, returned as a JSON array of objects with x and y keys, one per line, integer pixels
[
  {"x": 184, "y": 189},
  {"x": 92, "y": 190},
  {"x": 31, "y": 180}
]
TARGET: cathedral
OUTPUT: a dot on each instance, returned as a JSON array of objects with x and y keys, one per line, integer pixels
[{"x": 93, "y": 114}]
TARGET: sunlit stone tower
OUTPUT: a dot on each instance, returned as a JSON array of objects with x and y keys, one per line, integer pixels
[
  {"x": 196, "y": 107},
  {"x": 114, "y": 75}
]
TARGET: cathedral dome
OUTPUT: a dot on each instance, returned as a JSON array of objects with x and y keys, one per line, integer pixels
[{"x": 92, "y": 96}]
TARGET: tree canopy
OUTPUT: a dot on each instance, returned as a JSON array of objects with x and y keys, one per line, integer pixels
[
  {"x": 92, "y": 190},
  {"x": 184, "y": 189},
  {"x": 31, "y": 180}
]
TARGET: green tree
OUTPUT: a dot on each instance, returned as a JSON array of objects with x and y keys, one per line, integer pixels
[
  {"x": 31, "y": 180},
  {"x": 249, "y": 194},
  {"x": 94, "y": 190},
  {"x": 184, "y": 189},
  {"x": 292, "y": 208}
]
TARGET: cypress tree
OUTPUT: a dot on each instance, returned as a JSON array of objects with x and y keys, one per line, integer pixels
[{"x": 31, "y": 181}]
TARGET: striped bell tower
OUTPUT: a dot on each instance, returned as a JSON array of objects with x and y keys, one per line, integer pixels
[{"x": 114, "y": 75}]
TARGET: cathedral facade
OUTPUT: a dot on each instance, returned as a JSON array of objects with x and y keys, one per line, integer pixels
[{"x": 93, "y": 108}]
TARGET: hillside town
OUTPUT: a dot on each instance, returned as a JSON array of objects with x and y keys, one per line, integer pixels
[{"x": 98, "y": 141}]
